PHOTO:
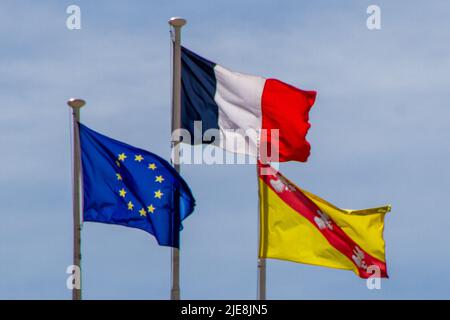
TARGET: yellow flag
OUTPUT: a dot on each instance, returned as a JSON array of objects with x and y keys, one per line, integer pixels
[{"x": 298, "y": 226}]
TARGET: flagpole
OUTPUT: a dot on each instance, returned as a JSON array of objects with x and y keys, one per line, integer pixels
[
  {"x": 261, "y": 288},
  {"x": 261, "y": 261},
  {"x": 76, "y": 105},
  {"x": 177, "y": 24}
]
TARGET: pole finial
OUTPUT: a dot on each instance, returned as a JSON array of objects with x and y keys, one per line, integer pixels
[
  {"x": 76, "y": 103},
  {"x": 177, "y": 22}
]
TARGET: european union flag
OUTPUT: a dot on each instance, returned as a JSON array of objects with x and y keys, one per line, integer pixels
[{"x": 131, "y": 187}]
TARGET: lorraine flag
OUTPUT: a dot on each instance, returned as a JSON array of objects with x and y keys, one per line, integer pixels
[
  {"x": 132, "y": 187},
  {"x": 234, "y": 103},
  {"x": 301, "y": 227}
]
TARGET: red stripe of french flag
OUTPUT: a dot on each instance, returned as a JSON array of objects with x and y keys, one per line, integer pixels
[{"x": 286, "y": 108}]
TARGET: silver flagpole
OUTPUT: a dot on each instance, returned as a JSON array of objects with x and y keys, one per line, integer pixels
[
  {"x": 262, "y": 279},
  {"x": 261, "y": 261},
  {"x": 177, "y": 24},
  {"x": 76, "y": 105},
  {"x": 261, "y": 294}
]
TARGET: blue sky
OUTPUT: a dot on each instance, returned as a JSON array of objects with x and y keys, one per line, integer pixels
[{"x": 379, "y": 135}]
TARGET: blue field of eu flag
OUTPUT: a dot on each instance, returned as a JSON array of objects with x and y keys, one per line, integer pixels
[{"x": 132, "y": 187}]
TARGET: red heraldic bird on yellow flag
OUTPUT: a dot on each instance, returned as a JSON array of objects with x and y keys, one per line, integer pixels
[{"x": 298, "y": 226}]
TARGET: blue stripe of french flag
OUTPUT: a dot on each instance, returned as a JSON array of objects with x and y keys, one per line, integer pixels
[{"x": 240, "y": 105}]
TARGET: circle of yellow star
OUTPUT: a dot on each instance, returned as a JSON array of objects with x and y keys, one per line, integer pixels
[
  {"x": 138, "y": 158},
  {"x": 122, "y": 157},
  {"x": 142, "y": 212},
  {"x": 158, "y": 194},
  {"x": 152, "y": 166},
  {"x": 119, "y": 177},
  {"x": 130, "y": 205},
  {"x": 122, "y": 193},
  {"x": 159, "y": 179},
  {"x": 118, "y": 163},
  {"x": 151, "y": 208}
]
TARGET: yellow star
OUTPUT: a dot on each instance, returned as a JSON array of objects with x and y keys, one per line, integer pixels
[
  {"x": 130, "y": 205},
  {"x": 142, "y": 212},
  {"x": 151, "y": 208},
  {"x": 159, "y": 179},
  {"x": 158, "y": 194},
  {"x": 122, "y": 193},
  {"x": 152, "y": 166},
  {"x": 119, "y": 177},
  {"x": 122, "y": 157},
  {"x": 138, "y": 158},
  {"x": 118, "y": 163}
]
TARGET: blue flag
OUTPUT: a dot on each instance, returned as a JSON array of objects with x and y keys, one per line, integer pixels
[{"x": 132, "y": 187}]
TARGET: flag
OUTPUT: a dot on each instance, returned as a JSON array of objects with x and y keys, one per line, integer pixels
[
  {"x": 132, "y": 187},
  {"x": 298, "y": 226},
  {"x": 222, "y": 99}
]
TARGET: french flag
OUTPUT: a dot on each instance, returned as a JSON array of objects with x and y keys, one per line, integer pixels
[{"x": 235, "y": 103}]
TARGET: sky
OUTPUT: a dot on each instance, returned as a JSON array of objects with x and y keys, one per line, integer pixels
[{"x": 379, "y": 135}]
